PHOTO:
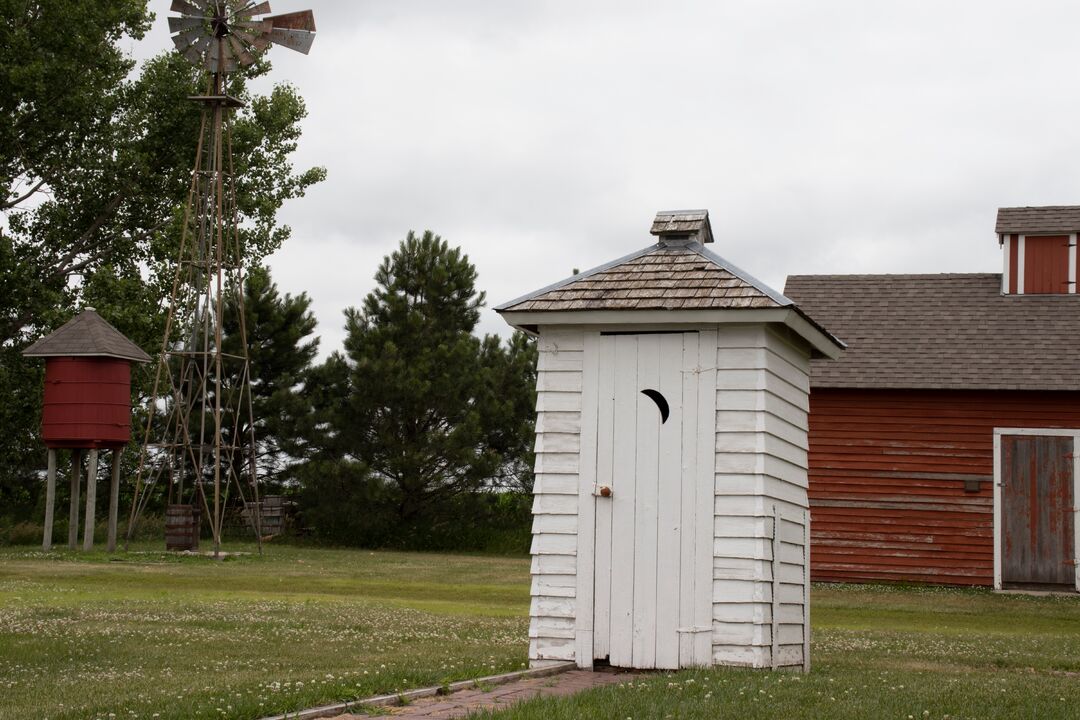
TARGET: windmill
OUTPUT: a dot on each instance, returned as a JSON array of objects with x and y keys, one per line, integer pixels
[{"x": 200, "y": 429}]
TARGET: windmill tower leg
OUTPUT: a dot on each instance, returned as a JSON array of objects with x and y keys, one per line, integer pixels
[{"x": 50, "y": 501}]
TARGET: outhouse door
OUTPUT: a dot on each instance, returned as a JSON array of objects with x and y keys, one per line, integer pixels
[
  {"x": 653, "y": 564},
  {"x": 1037, "y": 510}
]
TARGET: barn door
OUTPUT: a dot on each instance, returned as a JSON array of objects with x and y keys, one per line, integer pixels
[
  {"x": 652, "y": 581},
  {"x": 1037, "y": 513}
]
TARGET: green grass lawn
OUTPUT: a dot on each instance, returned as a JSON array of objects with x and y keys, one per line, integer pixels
[
  {"x": 908, "y": 654},
  {"x": 153, "y": 635},
  {"x": 148, "y": 634}
]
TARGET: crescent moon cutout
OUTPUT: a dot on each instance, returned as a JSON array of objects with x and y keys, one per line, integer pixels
[{"x": 661, "y": 402}]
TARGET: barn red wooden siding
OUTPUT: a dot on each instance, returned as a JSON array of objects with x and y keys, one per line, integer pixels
[
  {"x": 1046, "y": 264},
  {"x": 888, "y": 476},
  {"x": 87, "y": 402}
]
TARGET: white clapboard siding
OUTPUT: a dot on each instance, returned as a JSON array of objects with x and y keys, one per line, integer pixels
[
  {"x": 555, "y": 421},
  {"x": 555, "y": 484},
  {"x": 759, "y": 613},
  {"x": 738, "y": 505},
  {"x": 550, "y": 606},
  {"x": 740, "y": 569},
  {"x": 553, "y": 544},
  {"x": 558, "y": 442},
  {"x": 740, "y": 404},
  {"x": 560, "y": 402},
  {"x": 762, "y": 402},
  {"x": 555, "y": 503},
  {"x": 559, "y": 361},
  {"x": 559, "y": 339},
  {"x": 553, "y": 565},
  {"x": 545, "y": 504},
  {"x": 555, "y": 524},
  {"x": 764, "y": 485},
  {"x": 554, "y": 585},
  {"x": 558, "y": 381},
  {"x": 557, "y": 462},
  {"x": 552, "y": 649},
  {"x": 554, "y": 627},
  {"x": 738, "y": 655}
]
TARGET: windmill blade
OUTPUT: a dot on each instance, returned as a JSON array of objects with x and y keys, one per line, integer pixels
[
  {"x": 258, "y": 26},
  {"x": 194, "y": 53},
  {"x": 253, "y": 40},
  {"x": 187, "y": 8},
  {"x": 261, "y": 42},
  {"x": 240, "y": 52},
  {"x": 247, "y": 11},
  {"x": 176, "y": 24},
  {"x": 186, "y": 38},
  {"x": 297, "y": 40},
  {"x": 301, "y": 20}
]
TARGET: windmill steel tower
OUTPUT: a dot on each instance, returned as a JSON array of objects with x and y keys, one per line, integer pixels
[{"x": 200, "y": 430}]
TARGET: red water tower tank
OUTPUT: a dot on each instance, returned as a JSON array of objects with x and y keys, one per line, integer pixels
[{"x": 87, "y": 384}]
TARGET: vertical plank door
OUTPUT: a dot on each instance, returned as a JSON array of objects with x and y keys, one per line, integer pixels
[
  {"x": 647, "y": 454},
  {"x": 1037, "y": 510}
]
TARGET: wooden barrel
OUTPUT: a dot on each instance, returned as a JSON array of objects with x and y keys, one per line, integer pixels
[
  {"x": 273, "y": 520},
  {"x": 270, "y": 511},
  {"x": 182, "y": 527}
]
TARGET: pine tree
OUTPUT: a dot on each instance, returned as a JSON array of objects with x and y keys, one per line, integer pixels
[
  {"x": 281, "y": 350},
  {"x": 429, "y": 411}
]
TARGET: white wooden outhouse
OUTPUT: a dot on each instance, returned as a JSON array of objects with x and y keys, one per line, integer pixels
[{"x": 670, "y": 520}]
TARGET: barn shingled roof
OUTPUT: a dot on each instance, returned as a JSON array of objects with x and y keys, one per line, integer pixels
[
  {"x": 941, "y": 332},
  {"x": 87, "y": 335}
]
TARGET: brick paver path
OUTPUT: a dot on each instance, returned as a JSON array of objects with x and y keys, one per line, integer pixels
[{"x": 462, "y": 703}]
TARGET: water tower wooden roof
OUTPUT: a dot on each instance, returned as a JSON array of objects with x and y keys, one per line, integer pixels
[{"x": 87, "y": 335}]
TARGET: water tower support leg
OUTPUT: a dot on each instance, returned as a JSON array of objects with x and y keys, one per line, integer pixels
[
  {"x": 73, "y": 511},
  {"x": 50, "y": 501},
  {"x": 91, "y": 501},
  {"x": 114, "y": 498}
]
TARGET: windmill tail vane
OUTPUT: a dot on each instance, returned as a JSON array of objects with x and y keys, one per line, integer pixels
[{"x": 200, "y": 436}]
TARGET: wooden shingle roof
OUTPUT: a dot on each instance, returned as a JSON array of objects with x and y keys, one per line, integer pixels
[
  {"x": 87, "y": 335},
  {"x": 1046, "y": 220},
  {"x": 665, "y": 276},
  {"x": 942, "y": 332}
]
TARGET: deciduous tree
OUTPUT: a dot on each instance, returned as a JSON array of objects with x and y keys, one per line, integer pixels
[{"x": 95, "y": 165}]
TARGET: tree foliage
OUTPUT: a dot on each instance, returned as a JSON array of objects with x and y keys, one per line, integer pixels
[
  {"x": 95, "y": 165},
  {"x": 281, "y": 350},
  {"x": 424, "y": 414}
]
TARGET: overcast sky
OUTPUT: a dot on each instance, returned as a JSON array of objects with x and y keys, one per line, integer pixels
[{"x": 540, "y": 136}]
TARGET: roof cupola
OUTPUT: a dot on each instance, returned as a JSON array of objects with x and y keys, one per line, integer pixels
[{"x": 1040, "y": 252}]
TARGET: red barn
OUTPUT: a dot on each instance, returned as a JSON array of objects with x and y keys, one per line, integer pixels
[{"x": 944, "y": 442}]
